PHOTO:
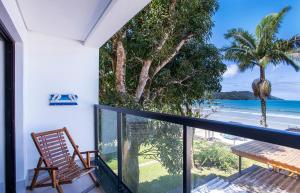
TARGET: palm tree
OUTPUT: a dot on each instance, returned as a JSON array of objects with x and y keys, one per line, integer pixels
[{"x": 262, "y": 49}]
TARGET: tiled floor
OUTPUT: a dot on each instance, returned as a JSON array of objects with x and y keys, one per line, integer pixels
[{"x": 84, "y": 184}]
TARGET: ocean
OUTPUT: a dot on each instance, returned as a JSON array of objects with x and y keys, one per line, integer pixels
[
  {"x": 281, "y": 108},
  {"x": 281, "y": 114}
]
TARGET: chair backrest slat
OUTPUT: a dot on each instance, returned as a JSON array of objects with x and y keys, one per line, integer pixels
[{"x": 53, "y": 148}]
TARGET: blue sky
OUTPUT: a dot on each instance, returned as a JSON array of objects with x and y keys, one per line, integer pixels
[{"x": 247, "y": 14}]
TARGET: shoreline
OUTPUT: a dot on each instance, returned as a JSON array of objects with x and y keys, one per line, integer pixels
[
  {"x": 275, "y": 120},
  {"x": 280, "y": 121}
]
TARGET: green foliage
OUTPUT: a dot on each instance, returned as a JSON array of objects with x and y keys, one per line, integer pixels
[
  {"x": 214, "y": 154},
  {"x": 197, "y": 68},
  {"x": 150, "y": 25},
  {"x": 267, "y": 29},
  {"x": 201, "y": 68},
  {"x": 166, "y": 146}
]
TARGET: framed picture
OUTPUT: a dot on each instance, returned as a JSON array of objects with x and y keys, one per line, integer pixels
[{"x": 63, "y": 99}]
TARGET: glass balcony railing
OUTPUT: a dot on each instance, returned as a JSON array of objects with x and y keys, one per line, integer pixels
[{"x": 147, "y": 152}]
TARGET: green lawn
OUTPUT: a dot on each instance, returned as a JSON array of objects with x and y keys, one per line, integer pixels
[
  {"x": 154, "y": 178},
  {"x": 113, "y": 163}
]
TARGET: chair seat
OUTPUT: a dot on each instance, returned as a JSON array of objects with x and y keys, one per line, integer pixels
[{"x": 71, "y": 175}]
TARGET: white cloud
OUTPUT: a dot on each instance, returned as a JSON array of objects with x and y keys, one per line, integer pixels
[{"x": 231, "y": 71}]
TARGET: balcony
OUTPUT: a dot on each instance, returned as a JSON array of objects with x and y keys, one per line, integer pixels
[{"x": 149, "y": 152}]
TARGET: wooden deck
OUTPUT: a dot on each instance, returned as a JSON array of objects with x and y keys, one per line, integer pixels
[
  {"x": 275, "y": 155},
  {"x": 253, "y": 180}
]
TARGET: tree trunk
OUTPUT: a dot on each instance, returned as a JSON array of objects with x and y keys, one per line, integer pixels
[
  {"x": 188, "y": 112},
  {"x": 131, "y": 171},
  {"x": 144, "y": 77},
  {"x": 130, "y": 157},
  {"x": 120, "y": 67},
  {"x": 263, "y": 99},
  {"x": 192, "y": 161},
  {"x": 263, "y": 121},
  {"x": 262, "y": 73}
]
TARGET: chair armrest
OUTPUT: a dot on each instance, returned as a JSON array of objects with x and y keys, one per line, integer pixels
[
  {"x": 88, "y": 157},
  {"x": 46, "y": 168},
  {"x": 92, "y": 151}
]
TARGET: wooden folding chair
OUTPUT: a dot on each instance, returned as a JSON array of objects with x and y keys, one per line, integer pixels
[{"x": 61, "y": 166}]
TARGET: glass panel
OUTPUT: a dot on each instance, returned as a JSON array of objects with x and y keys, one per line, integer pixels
[
  {"x": 2, "y": 145},
  {"x": 152, "y": 155},
  {"x": 265, "y": 167},
  {"x": 108, "y": 145}
]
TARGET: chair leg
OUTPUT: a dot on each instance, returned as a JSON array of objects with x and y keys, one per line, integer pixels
[
  {"x": 33, "y": 182},
  {"x": 59, "y": 188},
  {"x": 94, "y": 179},
  {"x": 36, "y": 174},
  {"x": 53, "y": 178}
]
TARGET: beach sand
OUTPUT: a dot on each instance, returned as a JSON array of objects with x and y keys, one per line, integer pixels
[{"x": 275, "y": 121}]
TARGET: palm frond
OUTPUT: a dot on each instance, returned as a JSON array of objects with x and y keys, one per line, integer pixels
[
  {"x": 247, "y": 65},
  {"x": 243, "y": 56},
  {"x": 270, "y": 24},
  {"x": 294, "y": 55},
  {"x": 287, "y": 45},
  {"x": 278, "y": 57},
  {"x": 289, "y": 61},
  {"x": 267, "y": 29},
  {"x": 295, "y": 41},
  {"x": 242, "y": 37},
  {"x": 287, "y": 51}
]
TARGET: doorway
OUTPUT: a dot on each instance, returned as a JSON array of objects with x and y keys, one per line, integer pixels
[{"x": 7, "y": 114}]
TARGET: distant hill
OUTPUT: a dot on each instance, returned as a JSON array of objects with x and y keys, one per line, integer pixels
[{"x": 240, "y": 95}]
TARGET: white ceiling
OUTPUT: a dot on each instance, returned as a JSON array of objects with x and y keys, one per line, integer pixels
[
  {"x": 73, "y": 19},
  {"x": 117, "y": 14}
]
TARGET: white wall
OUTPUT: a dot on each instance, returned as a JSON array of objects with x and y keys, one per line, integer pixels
[{"x": 55, "y": 65}]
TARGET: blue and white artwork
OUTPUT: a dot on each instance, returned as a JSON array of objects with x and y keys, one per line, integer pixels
[{"x": 63, "y": 99}]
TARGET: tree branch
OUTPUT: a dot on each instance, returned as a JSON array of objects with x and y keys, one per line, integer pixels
[
  {"x": 119, "y": 62},
  {"x": 167, "y": 34},
  {"x": 169, "y": 58},
  {"x": 162, "y": 42},
  {"x": 180, "y": 82},
  {"x": 144, "y": 76}
]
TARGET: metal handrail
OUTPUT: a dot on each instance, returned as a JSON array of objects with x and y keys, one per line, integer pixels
[{"x": 275, "y": 136}]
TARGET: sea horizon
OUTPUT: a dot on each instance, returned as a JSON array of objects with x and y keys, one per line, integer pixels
[{"x": 281, "y": 114}]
